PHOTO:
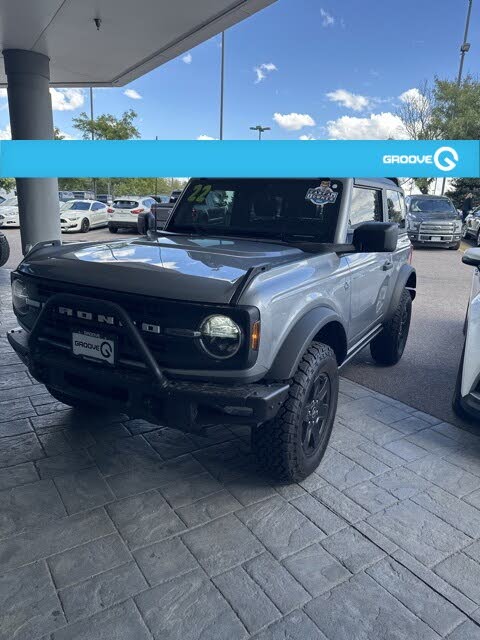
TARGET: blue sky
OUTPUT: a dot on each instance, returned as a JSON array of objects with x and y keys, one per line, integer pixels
[{"x": 327, "y": 69}]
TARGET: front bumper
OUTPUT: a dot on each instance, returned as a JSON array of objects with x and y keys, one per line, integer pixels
[
  {"x": 180, "y": 404},
  {"x": 438, "y": 240}
]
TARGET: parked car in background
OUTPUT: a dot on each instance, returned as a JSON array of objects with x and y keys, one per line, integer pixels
[
  {"x": 241, "y": 320},
  {"x": 9, "y": 216},
  {"x": 4, "y": 249},
  {"x": 83, "y": 215},
  {"x": 2, "y": 199},
  {"x": 471, "y": 227},
  {"x": 106, "y": 198},
  {"x": 433, "y": 221},
  {"x": 161, "y": 198},
  {"x": 125, "y": 210},
  {"x": 174, "y": 196},
  {"x": 65, "y": 196},
  {"x": 83, "y": 195},
  {"x": 466, "y": 399},
  {"x": 156, "y": 218}
]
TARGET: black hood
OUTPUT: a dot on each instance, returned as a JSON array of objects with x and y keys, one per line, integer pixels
[{"x": 193, "y": 268}]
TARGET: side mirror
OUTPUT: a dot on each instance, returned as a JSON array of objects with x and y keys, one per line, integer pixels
[
  {"x": 375, "y": 237},
  {"x": 472, "y": 257}
]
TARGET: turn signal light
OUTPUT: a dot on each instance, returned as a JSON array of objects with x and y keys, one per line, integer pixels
[{"x": 255, "y": 337}]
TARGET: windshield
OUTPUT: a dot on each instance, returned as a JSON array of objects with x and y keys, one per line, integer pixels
[
  {"x": 272, "y": 208},
  {"x": 10, "y": 202},
  {"x": 125, "y": 204},
  {"x": 77, "y": 206},
  {"x": 431, "y": 205}
]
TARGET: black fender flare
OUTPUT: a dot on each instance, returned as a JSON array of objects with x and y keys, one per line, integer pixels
[
  {"x": 298, "y": 339},
  {"x": 406, "y": 273}
]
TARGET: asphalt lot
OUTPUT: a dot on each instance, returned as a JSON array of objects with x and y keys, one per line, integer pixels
[{"x": 425, "y": 377}]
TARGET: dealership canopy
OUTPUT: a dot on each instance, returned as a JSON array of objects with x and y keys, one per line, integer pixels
[{"x": 85, "y": 43}]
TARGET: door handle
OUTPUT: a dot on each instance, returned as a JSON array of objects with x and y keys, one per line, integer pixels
[{"x": 388, "y": 264}]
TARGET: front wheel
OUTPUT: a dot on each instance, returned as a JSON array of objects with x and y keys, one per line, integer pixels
[
  {"x": 388, "y": 347},
  {"x": 456, "y": 246},
  {"x": 291, "y": 446},
  {"x": 85, "y": 226}
]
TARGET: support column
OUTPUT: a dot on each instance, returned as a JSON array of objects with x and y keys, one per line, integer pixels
[{"x": 30, "y": 106}]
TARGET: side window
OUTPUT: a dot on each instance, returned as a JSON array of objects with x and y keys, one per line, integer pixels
[
  {"x": 366, "y": 206},
  {"x": 96, "y": 206},
  {"x": 396, "y": 208}
]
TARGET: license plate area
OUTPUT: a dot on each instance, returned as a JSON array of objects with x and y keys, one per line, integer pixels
[{"x": 94, "y": 347}]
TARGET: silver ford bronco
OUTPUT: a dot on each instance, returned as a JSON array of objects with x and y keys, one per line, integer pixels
[{"x": 241, "y": 311}]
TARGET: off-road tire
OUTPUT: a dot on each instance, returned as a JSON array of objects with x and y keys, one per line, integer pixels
[
  {"x": 4, "y": 250},
  {"x": 278, "y": 443},
  {"x": 387, "y": 348},
  {"x": 112, "y": 229},
  {"x": 85, "y": 226}
]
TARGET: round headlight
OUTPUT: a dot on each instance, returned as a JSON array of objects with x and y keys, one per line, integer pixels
[
  {"x": 19, "y": 297},
  {"x": 221, "y": 336}
]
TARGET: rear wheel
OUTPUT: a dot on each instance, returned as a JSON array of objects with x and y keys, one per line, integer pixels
[
  {"x": 4, "y": 250},
  {"x": 291, "y": 446},
  {"x": 85, "y": 226},
  {"x": 388, "y": 347},
  {"x": 112, "y": 229}
]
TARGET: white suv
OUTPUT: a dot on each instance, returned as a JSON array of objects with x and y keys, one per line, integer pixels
[
  {"x": 126, "y": 210},
  {"x": 466, "y": 400}
]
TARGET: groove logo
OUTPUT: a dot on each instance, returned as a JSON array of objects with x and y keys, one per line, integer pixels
[{"x": 444, "y": 158}]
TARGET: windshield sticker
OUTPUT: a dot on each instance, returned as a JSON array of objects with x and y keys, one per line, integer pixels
[
  {"x": 199, "y": 193},
  {"x": 322, "y": 195}
]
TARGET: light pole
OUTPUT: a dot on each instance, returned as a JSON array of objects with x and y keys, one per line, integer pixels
[
  {"x": 260, "y": 130},
  {"x": 465, "y": 44},
  {"x": 94, "y": 182},
  {"x": 222, "y": 83},
  {"x": 465, "y": 47}
]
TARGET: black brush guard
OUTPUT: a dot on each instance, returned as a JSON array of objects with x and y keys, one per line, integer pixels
[{"x": 147, "y": 393}]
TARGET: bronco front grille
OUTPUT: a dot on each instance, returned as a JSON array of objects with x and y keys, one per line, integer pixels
[{"x": 152, "y": 317}]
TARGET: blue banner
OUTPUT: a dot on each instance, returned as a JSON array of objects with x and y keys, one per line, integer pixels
[{"x": 239, "y": 158}]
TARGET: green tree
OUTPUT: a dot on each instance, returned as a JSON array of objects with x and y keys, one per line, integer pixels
[
  {"x": 107, "y": 126},
  {"x": 57, "y": 134},
  {"x": 423, "y": 184},
  {"x": 463, "y": 186},
  {"x": 456, "y": 109},
  {"x": 8, "y": 184}
]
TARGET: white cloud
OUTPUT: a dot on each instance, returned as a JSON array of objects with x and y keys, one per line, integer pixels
[
  {"x": 203, "y": 136},
  {"x": 66, "y": 99},
  {"x": 379, "y": 126},
  {"x": 263, "y": 70},
  {"x": 410, "y": 94},
  {"x": 67, "y": 136},
  {"x": 327, "y": 19},
  {"x": 131, "y": 93},
  {"x": 348, "y": 99},
  {"x": 3, "y": 93},
  {"x": 6, "y": 133},
  {"x": 306, "y": 136},
  {"x": 187, "y": 58},
  {"x": 293, "y": 121}
]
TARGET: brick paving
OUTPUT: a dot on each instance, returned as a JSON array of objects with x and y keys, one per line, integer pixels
[{"x": 116, "y": 528}]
